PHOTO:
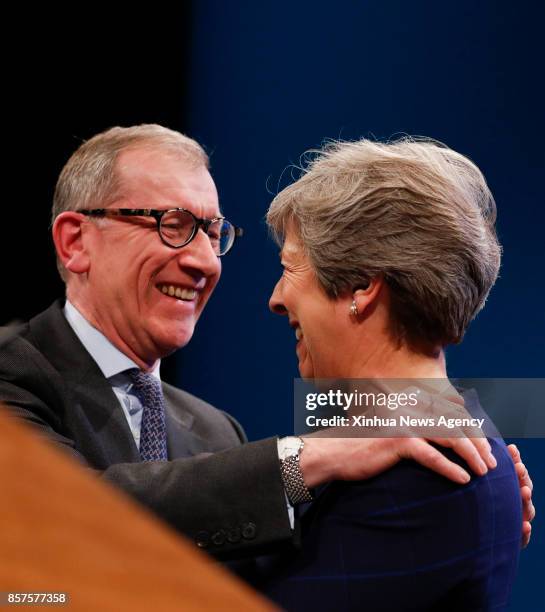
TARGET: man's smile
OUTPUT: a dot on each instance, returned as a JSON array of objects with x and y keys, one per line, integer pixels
[{"x": 178, "y": 292}]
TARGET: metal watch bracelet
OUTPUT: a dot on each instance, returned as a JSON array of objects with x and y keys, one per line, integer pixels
[{"x": 296, "y": 490}]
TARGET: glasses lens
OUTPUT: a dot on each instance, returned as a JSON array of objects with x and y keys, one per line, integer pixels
[
  {"x": 177, "y": 227},
  {"x": 222, "y": 236}
]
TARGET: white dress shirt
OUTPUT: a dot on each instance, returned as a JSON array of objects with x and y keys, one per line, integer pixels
[{"x": 113, "y": 364}]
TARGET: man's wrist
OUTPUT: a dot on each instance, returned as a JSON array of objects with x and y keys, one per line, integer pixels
[{"x": 290, "y": 450}]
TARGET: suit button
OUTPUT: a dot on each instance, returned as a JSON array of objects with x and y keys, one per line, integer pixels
[
  {"x": 218, "y": 538},
  {"x": 202, "y": 539},
  {"x": 234, "y": 535},
  {"x": 248, "y": 531}
]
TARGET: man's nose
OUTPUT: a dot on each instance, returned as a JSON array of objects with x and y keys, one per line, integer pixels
[
  {"x": 276, "y": 303},
  {"x": 199, "y": 254}
]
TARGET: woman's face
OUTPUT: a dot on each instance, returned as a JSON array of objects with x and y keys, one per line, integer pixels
[{"x": 313, "y": 315}]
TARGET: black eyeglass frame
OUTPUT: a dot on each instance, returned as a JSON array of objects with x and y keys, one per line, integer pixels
[{"x": 158, "y": 216}]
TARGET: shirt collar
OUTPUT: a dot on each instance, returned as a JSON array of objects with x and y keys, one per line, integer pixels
[{"x": 109, "y": 358}]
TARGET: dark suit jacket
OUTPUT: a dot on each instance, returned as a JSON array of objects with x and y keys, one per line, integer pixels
[
  {"x": 231, "y": 502},
  {"x": 406, "y": 540}
]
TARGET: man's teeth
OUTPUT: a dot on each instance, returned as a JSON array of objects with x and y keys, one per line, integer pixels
[
  {"x": 298, "y": 333},
  {"x": 181, "y": 294}
]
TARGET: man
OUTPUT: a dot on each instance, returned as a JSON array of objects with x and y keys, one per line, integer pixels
[{"x": 138, "y": 233}]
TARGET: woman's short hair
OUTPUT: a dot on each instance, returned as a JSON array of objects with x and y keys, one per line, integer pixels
[
  {"x": 89, "y": 178},
  {"x": 411, "y": 210}
]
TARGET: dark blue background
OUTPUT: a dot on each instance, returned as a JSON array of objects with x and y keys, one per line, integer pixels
[
  {"x": 258, "y": 83},
  {"x": 268, "y": 80}
]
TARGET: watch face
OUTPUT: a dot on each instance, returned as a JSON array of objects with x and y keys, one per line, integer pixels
[{"x": 290, "y": 446}]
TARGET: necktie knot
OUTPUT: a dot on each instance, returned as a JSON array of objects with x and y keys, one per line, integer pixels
[{"x": 148, "y": 388}]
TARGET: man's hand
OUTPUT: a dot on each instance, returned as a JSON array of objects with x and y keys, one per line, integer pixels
[
  {"x": 326, "y": 459},
  {"x": 526, "y": 488}
]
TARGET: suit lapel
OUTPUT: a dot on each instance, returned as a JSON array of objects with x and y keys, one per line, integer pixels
[
  {"x": 105, "y": 418},
  {"x": 181, "y": 440},
  {"x": 95, "y": 414}
]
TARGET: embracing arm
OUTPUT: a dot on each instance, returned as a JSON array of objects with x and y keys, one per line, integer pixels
[{"x": 229, "y": 502}]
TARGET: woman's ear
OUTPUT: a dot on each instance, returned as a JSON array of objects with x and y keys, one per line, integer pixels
[
  {"x": 364, "y": 296},
  {"x": 69, "y": 243}
]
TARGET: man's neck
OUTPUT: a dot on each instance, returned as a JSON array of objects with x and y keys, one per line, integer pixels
[{"x": 115, "y": 340}]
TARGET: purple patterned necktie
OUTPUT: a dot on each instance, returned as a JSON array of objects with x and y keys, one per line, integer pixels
[{"x": 153, "y": 432}]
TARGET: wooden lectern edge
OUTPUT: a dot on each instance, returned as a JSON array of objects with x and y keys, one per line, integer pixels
[{"x": 64, "y": 530}]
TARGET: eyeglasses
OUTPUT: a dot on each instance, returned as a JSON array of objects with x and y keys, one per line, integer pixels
[{"x": 177, "y": 227}]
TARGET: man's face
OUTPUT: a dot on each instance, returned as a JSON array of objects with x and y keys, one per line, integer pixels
[{"x": 130, "y": 267}]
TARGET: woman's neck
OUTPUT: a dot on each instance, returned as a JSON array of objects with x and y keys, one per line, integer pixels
[{"x": 388, "y": 361}]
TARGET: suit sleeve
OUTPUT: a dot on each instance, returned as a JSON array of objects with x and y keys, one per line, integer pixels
[{"x": 230, "y": 503}]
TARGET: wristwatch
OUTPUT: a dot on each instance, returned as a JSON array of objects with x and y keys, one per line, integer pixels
[{"x": 289, "y": 451}]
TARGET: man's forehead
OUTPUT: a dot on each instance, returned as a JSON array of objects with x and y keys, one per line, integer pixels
[
  {"x": 156, "y": 162},
  {"x": 164, "y": 174}
]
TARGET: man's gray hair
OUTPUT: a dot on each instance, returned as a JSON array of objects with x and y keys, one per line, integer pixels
[
  {"x": 412, "y": 211},
  {"x": 89, "y": 178}
]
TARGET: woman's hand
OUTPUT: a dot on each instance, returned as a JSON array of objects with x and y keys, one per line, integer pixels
[
  {"x": 526, "y": 488},
  {"x": 353, "y": 456}
]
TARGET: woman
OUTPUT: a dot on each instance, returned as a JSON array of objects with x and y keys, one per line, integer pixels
[{"x": 389, "y": 251}]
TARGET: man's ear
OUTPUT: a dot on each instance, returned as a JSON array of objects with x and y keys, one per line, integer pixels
[
  {"x": 364, "y": 297},
  {"x": 69, "y": 243}
]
